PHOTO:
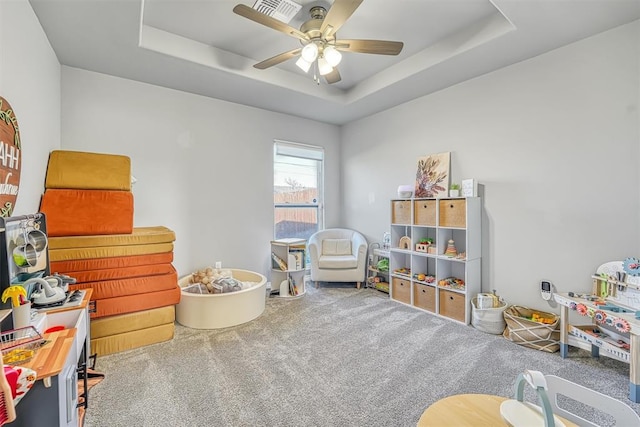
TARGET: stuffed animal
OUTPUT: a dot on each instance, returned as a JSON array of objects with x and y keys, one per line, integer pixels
[
  {"x": 204, "y": 277},
  {"x": 209, "y": 277}
]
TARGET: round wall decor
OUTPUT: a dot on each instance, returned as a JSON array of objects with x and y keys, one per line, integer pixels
[{"x": 10, "y": 158}]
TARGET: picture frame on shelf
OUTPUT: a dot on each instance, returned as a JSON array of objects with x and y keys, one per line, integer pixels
[{"x": 469, "y": 188}]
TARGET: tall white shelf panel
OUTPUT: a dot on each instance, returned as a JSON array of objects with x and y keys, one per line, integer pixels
[{"x": 439, "y": 220}]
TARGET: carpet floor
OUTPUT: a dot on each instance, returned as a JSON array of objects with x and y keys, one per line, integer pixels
[{"x": 335, "y": 357}]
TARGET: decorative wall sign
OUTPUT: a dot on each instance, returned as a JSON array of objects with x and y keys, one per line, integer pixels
[
  {"x": 432, "y": 177},
  {"x": 10, "y": 159}
]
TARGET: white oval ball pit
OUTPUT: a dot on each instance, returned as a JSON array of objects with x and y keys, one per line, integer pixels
[{"x": 214, "y": 311}]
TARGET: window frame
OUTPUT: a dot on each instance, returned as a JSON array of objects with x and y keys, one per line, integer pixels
[{"x": 303, "y": 151}]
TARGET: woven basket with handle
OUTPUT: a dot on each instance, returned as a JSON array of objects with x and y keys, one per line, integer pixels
[{"x": 524, "y": 331}]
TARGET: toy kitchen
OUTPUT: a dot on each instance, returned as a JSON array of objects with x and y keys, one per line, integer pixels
[
  {"x": 51, "y": 337},
  {"x": 608, "y": 317},
  {"x": 24, "y": 267}
]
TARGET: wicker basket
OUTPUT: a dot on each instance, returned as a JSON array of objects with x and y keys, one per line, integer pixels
[
  {"x": 521, "y": 330},
  {"x": 19, "y": 345}
]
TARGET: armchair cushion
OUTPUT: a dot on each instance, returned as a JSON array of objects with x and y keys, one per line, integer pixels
[
  {"x": 333, "y": 247},
  {"x": 337, "y": 262}
]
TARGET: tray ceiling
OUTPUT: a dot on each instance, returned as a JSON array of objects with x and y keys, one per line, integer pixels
[{"x": 204, "y": 48}]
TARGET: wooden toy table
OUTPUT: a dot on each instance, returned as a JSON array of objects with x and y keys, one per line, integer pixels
[
  {"x": 467, "y": 410},
  {"x": 599, "y": 346}
]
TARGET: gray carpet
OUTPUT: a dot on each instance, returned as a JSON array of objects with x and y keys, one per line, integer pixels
[{"x": 335, "y": 357}]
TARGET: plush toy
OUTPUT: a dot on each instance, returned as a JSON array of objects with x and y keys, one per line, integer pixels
[
  {"x": 210, "y": 277},
  {"x": 204, "y": 277},
  {"x": 227, "y": 284}
]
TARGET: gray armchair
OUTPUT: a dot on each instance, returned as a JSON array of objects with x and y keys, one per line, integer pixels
[{"x": 337, "y": 255}]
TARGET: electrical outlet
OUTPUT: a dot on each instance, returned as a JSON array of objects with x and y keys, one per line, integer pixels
[{"x": 218, "y": 264}]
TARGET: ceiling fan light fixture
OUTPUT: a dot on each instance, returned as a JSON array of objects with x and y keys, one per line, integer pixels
[
  {"x": 310, "y": 52},
  {"x": 332, "y": 55},
  {"x": 324, "y": 67},
  {"x": 303, "y": 64}
]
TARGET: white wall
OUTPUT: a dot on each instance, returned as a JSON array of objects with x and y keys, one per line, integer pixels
[
  {"x": 555, "y": 142},
  {"x": 204, "y": 166},
  {"x": 30, "y": 82}
]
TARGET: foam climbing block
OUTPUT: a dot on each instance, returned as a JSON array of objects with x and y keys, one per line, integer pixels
[
  {"x": 108, "y": 251},
  {"x": 90, "y": 276},
  {"x": 88, "y": 171},
  {"x": 133, "y": 339},
  {"x": 66, "y": 263},
  {"x": 139, "y": 236},
  {"x": 132, "y": 303},
  {"x": 129, "y": 286},
  {"x": 87, "y": 212},
  {"x": 121, "y": 323}
]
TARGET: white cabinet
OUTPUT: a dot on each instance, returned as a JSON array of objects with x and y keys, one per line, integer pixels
[
  {"x": 288, "y": 267},
  {"x": 423, "y": 273}
]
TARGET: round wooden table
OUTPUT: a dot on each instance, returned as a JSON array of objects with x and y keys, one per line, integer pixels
[
  {"x": 464, "y": 410},
  {"x": 467, "y": 410}
]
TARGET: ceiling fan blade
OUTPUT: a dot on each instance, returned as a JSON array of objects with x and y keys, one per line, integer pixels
[
  {"x": 337, "y": 15},
  {"x": 333, "y": 76},
  {"x": 266, "y": 20},
  {"x": 379, "y": 47},
  {"x": 277, "y": 59}
]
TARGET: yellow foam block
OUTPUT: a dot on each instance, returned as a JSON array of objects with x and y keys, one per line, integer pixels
[
  {"x": 140, "y": 236},
  {"x": 88, "y": 171},
  {"x": 121, "y": 323},
  {"x": 134, "y": 339},
  {"x": 108, "y": 251}
]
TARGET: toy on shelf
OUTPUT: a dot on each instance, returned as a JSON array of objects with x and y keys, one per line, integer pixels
[
  {"x": 424, "y": 244},
  {"x": 451, "y": 249},
  {"x": 423, "y": 277},
  {"x": 405, "y": 242},
  {"x": 452, "y": 283},
  {"x": 383, "y": 264},
  {"x": 404, "y": 271}
]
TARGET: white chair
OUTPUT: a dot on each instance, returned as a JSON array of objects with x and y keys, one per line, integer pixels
[
  {"x": 337, "y": 255},
  {"x": 517, "y": 413}
]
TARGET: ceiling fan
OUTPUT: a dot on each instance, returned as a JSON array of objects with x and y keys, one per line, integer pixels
[{"x": 320, "y": 45}]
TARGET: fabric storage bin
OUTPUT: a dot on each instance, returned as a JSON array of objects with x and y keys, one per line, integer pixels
[
  {"x": 453, "y": 213},
  {"x": 489, "y": 320},
  {"x": 401, "y": 290},
  {"x": 424, "y": 297},
  {"x": 452, "y": 305},
  {"x": 524, "y": 331},
  {"x": 424, "y": 212},
  {"x": 401, "y": 212}
]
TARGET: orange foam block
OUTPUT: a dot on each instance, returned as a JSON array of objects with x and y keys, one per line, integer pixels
[{"x": 87, "y": 212}]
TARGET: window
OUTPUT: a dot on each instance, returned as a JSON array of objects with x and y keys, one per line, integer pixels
[{"x": 297, "y": 189}]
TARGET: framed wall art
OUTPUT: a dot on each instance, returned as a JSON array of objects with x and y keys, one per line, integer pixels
[{"x": 432, "y": 177}]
